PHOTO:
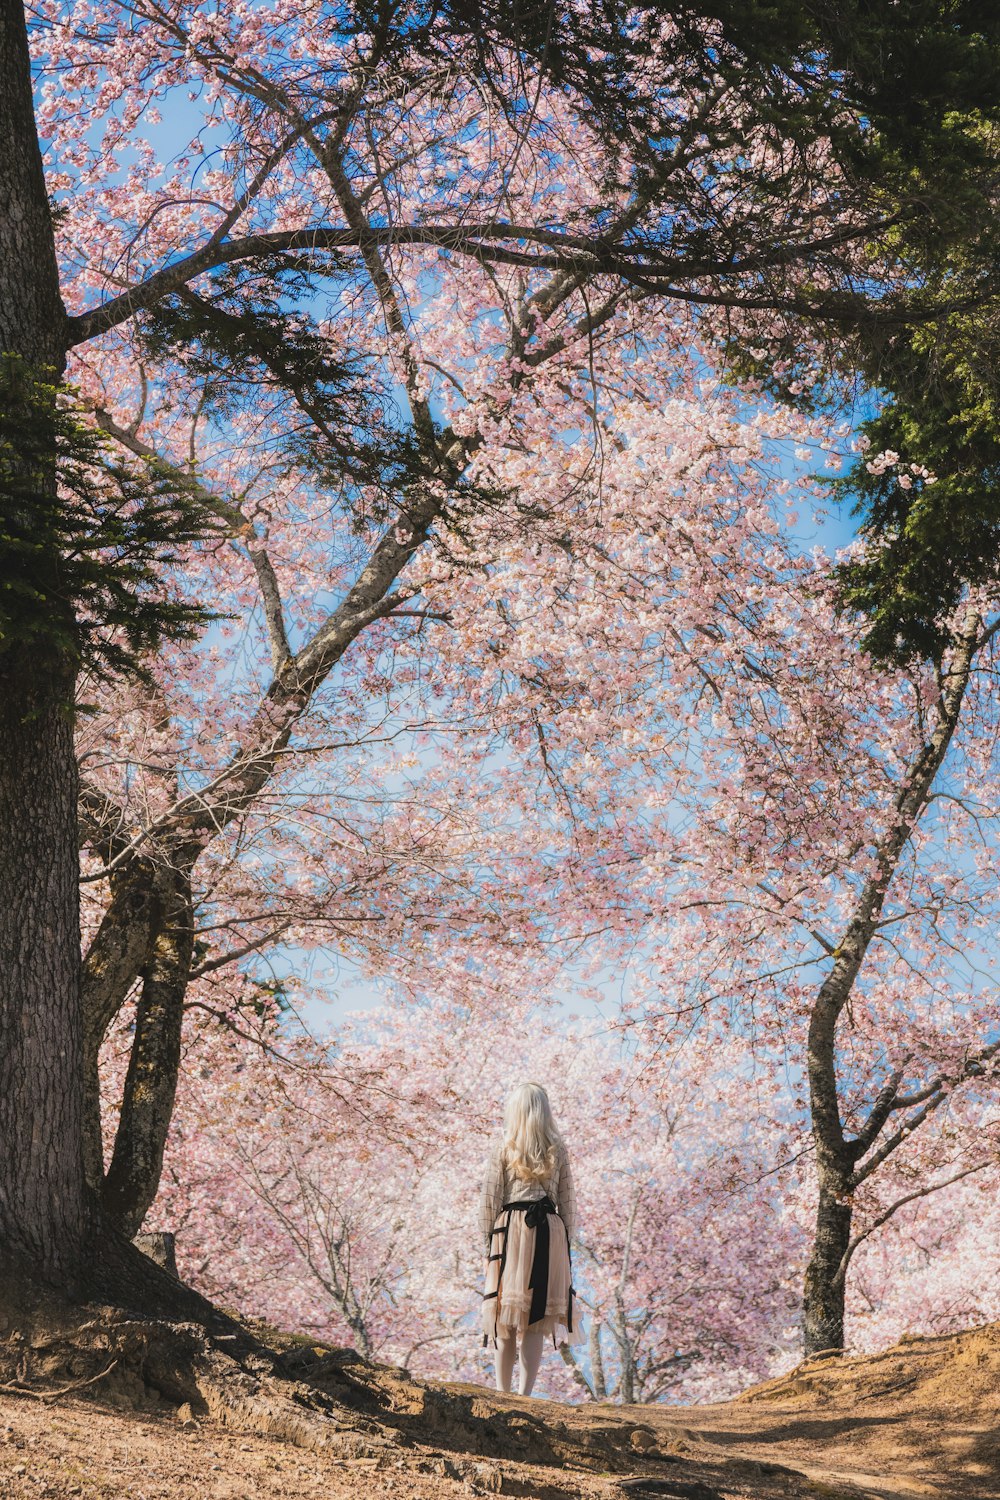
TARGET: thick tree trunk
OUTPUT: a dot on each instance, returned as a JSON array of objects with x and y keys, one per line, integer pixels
[
  {"x": 43, "y": 1201},
  {"x": 44, "y": 1205},
  {"x": 151, "y": 1083},
  {"x": 32, "y": 317},
  {"x": 825, "y": 1285}
]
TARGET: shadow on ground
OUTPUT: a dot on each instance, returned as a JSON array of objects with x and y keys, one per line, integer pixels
[{"x": 919, "y": 1420}]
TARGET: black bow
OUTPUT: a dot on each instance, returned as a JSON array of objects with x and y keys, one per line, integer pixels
[{"x": 537, "y": 1218}]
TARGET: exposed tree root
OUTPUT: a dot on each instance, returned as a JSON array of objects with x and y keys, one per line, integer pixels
[
  {"x": 64, "y": 1390},
  {"x": 150, "y": 1341}
]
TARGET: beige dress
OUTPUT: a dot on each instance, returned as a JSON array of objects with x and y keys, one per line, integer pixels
[{"x": 520, "y": 1294}]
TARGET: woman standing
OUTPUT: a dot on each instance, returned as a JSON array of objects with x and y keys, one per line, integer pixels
[{"x": 527, "y": 1215}]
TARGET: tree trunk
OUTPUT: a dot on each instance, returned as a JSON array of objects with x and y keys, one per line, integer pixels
[
  {"x": 151, "y": 1082},
  {"x": 44, "y": 1205},
  {"x": 32, "y": 317},
  {"x": 823, "y": 1309},
  {"x": 825, "y": 1286},
  {"x": 161, "y": 1247},
  {"x": 836, "y": 1156},
  {"x": 118, "y": 955},
  {"x": 626, "y": 1382},
  {"x": 597, "y": 1376},
  {"x": 43, "y": 1200}
]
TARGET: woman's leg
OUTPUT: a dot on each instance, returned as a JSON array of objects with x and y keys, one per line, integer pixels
[
  {"x": 532, "y": 1343},
  {"x": 504, "y": 1360}
]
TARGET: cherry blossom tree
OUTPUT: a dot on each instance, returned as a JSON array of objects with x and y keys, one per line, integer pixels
[
  {"x": 329, "y": 491},
  {"x": 827, "y": 869},
  {"x": 933, "y": 1271},
  {"x": 251, "y": 324},
  {"x": 806, "y": 835},
  {"x": 688, "y": 1258},
  {"x": 732, "y": 777},
  {"x": 332, "y": 1190}
]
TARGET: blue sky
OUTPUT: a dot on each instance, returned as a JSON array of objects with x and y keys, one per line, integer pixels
[{"x": 343, "y": 987}]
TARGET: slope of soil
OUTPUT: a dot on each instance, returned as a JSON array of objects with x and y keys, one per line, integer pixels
[{"x": 307, "y": 1421}]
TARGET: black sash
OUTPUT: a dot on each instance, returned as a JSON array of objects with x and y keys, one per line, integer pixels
[{"x": 536, "y": 1216}]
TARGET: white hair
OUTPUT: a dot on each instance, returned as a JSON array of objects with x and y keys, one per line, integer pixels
[{"x": 530, "y": 1134}]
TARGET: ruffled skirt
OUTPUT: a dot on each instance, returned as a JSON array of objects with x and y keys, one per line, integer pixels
[{"x": 509, "y": 1290}]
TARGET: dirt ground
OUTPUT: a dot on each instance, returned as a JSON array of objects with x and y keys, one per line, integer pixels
[{"x": 918, "y": 1420}]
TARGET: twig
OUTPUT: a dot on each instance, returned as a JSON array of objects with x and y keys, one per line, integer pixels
[{"x": 64, "y": 1390}]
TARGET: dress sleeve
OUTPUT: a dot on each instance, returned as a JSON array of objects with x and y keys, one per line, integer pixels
[
  {"x": 566, "y": 1193},
  {"x": 491, "y": 1197}
]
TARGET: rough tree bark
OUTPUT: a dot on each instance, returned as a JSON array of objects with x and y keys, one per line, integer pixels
[
  {"x": 843, "y": 1163},
  {"x": 44, "y": 1206},
  {"x": 154, "y": 1062},
  {"x": 118, "y": 954}
]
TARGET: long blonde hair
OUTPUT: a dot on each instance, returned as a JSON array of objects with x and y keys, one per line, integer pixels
[{"x": 529, "y": 1134}]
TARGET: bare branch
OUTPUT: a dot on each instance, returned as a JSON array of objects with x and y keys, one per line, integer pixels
[
  {"x": 647, "y": 264},
  {"x": 878, "y": 1115},
  {"x": 935, "y": 1095},
  {"x": 883, "y": 1218}
]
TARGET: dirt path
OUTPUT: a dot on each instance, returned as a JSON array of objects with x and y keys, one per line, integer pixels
[
  {"x": 923, "y": 1418},
  {"x": 918, "y": 1421}
]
